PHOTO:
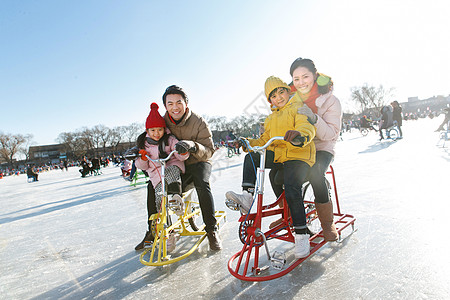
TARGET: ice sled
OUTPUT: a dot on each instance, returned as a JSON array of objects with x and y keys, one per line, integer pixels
[
  {"x": 175, "y": 220},
  {"x": 256, "y": 261}
]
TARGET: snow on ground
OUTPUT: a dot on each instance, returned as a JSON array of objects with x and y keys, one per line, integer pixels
[{"x": 69, "y": 237}]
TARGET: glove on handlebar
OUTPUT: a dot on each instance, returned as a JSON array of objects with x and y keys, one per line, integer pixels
[
  {"x": 243, "y": 144},
  {"x": 294, "y": 137},
  {"x": 143, "y": 154},
  {"x": 182, "y": 147},
  {"x": 131, "y": 153}
]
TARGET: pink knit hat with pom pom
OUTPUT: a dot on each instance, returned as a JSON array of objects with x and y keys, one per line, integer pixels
[{"x": 154, "y": 119}]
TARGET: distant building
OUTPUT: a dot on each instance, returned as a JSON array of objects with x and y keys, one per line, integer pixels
[
  {"x": 57, "y": 152},
  {"x": 47, "y": 153},
  {"x": 414, "y": 105}
]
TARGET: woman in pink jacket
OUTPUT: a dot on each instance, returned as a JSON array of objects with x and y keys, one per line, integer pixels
[
  {"x": 324, "y": 111},
  {"x": 157, "y": 142}
]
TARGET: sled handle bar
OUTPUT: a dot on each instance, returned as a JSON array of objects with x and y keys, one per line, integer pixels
[
  {"x": 259, "y": 148},
  {"x": 161, "y": 160}
]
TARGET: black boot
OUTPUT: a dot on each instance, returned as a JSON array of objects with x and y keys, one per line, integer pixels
[
  {"x": 148, "y": 239},
  {"x": 214, "y": 241},
  {"x": 174, "y": 188}
]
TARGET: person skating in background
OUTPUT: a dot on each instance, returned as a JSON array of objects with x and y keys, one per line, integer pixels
[
  {"x": 157, "y": 142},
  {"x": 126, "y": 168},
  {"x": 386, "y": 120},
  {"x": 324, "y": 111},
  {"x": 397, "y": 116},
  {"x": 365, "y": 122},
  {"x": 295, "y": 156},
  {"x": 85, "y": 167},
  {"x": 446, "y": 120},
  {"x": 95, "y": 165},
  {"x": 31, "y": 173}
]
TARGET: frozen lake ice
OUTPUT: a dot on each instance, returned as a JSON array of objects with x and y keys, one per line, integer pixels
[{"x": 67, "y": 237}]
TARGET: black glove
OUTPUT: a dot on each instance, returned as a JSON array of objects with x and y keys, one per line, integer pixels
[
  {"x": 132, "y": 153},
  {"x": 182, "y": 147},
  {"x": 294, "y": 137}
]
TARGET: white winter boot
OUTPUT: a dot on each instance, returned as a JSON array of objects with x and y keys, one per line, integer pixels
[
  {"x": 245, "y": 200},
  {"x": 301, "y": 245}
]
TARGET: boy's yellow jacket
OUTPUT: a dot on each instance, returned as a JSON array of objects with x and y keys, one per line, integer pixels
[{"x": 282, "y": 120}]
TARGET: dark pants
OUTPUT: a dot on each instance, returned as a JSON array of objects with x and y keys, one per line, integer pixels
[
  {"x": 294, "y": 175},
  {"x": 251, "y": 164},
  {"x": 133, "y": 169},
  {"x": 200, "y": 173},
  {"x": 295, "y": 172},
  {"x": 316, "y": 176}
]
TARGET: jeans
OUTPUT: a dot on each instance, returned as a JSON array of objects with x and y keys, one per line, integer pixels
[
  {"x": 200, "y": 173},
  {"x": 251, "y": 164},
  {"x": 400, "y": 130},
  {"x": 133, "y": 170},
  {"x": 316, "y": 176},
  {"x": 294, "y": 175},
  {"x": 295, "y": 172}
]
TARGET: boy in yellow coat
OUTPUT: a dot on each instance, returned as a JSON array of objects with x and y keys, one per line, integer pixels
[{"x": 296, "y": 153}]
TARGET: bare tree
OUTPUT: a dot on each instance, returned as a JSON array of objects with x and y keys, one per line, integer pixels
[
  {"x": 132, "y": 131},
  {"x": 100, "y": 136},
  {"x": 105, "y": 137},
  {"x": 25, "y": 148},
  {"x": 216, "y": 123},
  {"x": 85, "y": 143},
  {"x": 10, "y": 145},
  {"x": 69, "y": 140},
  {"x": 117, "y": 135},
  {"x": 370, "y": 97},
  {"x": 246, "y": 125}
]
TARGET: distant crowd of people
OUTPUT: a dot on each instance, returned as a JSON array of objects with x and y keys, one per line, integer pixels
[
  {"x": 88, "y": 166},
  {"x": 390, "y": 115},
  {"x": 63, "y": 165}
]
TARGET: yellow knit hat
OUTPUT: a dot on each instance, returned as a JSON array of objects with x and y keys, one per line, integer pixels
[{"x": 272, "y": 83}]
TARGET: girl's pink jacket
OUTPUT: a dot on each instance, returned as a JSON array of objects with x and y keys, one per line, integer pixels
[{"x": 154, "y": 169}]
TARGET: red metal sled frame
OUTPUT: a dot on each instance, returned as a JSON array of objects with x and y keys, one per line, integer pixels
[{"x": 254, "y": 242}]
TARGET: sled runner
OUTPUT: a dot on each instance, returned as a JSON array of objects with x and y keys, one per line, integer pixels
[{"x": 256, "y": 262}]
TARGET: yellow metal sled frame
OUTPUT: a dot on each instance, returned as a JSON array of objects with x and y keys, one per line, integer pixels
[{"x": 158, "y": 250}]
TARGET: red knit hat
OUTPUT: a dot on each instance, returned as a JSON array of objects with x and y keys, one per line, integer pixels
[{"x": 154, "y": 119}]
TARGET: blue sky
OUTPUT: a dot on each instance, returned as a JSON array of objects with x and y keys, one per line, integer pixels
[{"x": 69, "y": 64}]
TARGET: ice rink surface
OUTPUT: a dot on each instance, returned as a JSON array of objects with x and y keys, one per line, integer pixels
[{"x": 67, "y": 237}]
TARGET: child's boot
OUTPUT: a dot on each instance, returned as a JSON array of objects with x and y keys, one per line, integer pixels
[
  {"x": 245, "y": 200},
  {"x": 302, "y": 246}
]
